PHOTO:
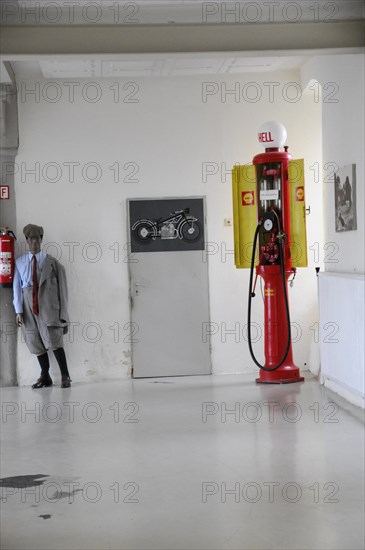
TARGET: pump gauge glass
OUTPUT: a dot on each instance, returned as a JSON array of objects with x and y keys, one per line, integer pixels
[{"x": 268, "y": 224}]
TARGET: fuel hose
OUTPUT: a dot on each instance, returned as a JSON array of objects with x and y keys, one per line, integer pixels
[{"x": 250, "y": 295}]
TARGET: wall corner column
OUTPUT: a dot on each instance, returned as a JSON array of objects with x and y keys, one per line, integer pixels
[{"x": 8, "y": 150}]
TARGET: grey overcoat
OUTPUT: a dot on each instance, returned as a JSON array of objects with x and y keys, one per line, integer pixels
[{"x": 53, "y": 294}]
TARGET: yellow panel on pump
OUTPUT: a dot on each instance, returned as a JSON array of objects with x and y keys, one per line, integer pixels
[
  {"x": 244, "y": 212},
  {"x": 298, "y": 232}
]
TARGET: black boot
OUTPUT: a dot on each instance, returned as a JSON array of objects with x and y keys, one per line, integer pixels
[
  {"x": 43, "y": 382},
  {"x": 66, "y": 382},
  {"x": 62, "y": 363}
]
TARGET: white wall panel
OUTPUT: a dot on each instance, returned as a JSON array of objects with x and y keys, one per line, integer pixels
[{"x": 341, "y": 307}]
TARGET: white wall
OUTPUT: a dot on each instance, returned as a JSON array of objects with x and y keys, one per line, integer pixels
[
  {"x": 343, "y": 144},
  {"x": 342, "y": 81},
  {"x": 169, "y": 133}
]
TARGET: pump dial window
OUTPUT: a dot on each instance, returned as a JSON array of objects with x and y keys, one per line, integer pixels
[{"x": 268, "y": 224}]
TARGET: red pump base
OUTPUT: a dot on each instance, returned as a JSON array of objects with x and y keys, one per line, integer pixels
[
  {"x": 288, "y": 375},
  {"x": 276, "y": 329}
]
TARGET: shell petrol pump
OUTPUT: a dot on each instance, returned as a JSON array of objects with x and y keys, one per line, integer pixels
[{"x": 269, "y": 230}]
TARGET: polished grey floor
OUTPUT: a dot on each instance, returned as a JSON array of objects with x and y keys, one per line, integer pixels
[{"x": 209, "y": 462}]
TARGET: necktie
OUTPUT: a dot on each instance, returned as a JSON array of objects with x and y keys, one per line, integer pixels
[{"x": 35, "y": 287}]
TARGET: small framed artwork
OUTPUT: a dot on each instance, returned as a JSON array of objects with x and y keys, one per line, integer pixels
[{"x": 345, "y": 198}]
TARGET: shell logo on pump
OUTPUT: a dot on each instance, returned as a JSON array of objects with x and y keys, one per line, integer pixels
[
  {"x": 299, "y": 194},
  {"x": 248, "y": 198}
]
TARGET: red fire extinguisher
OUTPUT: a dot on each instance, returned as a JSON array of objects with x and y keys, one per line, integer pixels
[{"x": 7, "y": 263}]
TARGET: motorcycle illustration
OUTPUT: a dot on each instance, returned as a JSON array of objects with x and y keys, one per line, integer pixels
[{"x": 178, "y": 225}]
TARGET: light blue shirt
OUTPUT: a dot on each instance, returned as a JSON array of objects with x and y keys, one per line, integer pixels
[{"x": 23, "y": 276}]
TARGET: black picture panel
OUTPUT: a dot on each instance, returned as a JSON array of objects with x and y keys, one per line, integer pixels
[{"x": 165, "y": 225}]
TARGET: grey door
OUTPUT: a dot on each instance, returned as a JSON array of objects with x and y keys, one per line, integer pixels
[{"x": 169, "y": 294}]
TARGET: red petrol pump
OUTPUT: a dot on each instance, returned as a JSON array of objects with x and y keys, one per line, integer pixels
[{"x": 269, "y": 230}]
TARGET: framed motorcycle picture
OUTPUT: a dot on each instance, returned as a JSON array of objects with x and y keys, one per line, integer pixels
[{"x": 163, "y": 225}]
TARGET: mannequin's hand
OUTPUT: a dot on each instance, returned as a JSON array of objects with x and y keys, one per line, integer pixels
[
  {"x": 19, "y": 319},
  {"x": 65, "y": 326}
]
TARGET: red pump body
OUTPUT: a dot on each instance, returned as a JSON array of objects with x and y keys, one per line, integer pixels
[
  {"x": 273, "y": 193},
  {"x": 7, "y": 262}
]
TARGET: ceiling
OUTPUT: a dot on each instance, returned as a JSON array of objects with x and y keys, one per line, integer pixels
[
  {"x": 154, "y": 65},
  {"x": 18, "y": 16}
]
